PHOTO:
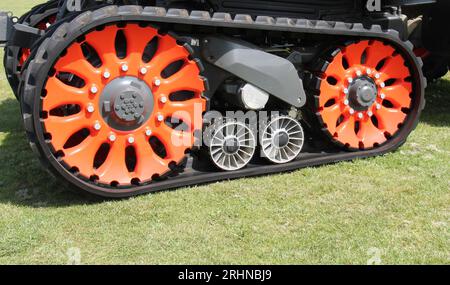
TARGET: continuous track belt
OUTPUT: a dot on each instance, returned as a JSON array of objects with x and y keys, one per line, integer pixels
[{"x": 190, "y": 176}]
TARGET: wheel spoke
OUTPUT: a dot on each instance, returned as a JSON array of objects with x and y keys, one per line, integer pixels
[
  {"x": 336, "y": 69},
  {"x": 168, "y": 52},
  {"x": 329, "y": 92},
  {"x": 62, "y": 128},
  {"x": 174, "y": 142},
  {"x": 114, "y": 168},
  {"x": 376, "y": 53},
  {"x": 330, "y": 116},
  {"x": 59, "y": 94},
  {"x": 389, "y": 119},
  {"x": 369, "y": 134},
  {"x": 104, "y": 44},
  {"x": 346, "y": 132},
  {"x": 187, "y": 79},
  {"x": 187, "y": 111},
  {"x": 74, "y": 62},
  {"x": 399, "y": 94},
  {"x": 395, "y": 68},
  {"x": 148, "y": 163},
  {"x": 82, "y": 156},
  {"x": 353, "y": 53}
]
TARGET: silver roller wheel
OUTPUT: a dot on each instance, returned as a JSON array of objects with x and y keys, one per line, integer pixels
[
  {"x": 232, "y": 146},
  {"x": 282, "y": 139}
]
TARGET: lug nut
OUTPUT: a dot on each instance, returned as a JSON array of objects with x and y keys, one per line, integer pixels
[
  {"x": 106, "y": 74},
  {"x": 352, "y": 111},
  {"x": 97, "y": 126},
  {"x": 94, "y": 89},
  {"x": 157, "y": 82},
  {"x": 378, "y": 106},
  {"x": 345, "y": 90},
  {"x": 377, "y": 76},
  {"x": 148, "y": 132},
  {"x": 130, "y": 140},
  {"x": 90, "y": 108},
  {"x": 350, "y": 80},
  {"x": 124, "y": 67},
  {"x": 143, "y": 70},
  {"x": 370, "y": 113},
  {"x": 359, "y": 73},
  {"x": 112, "y": 137},
  {"x": 382, "y": 96},
  {"x": 163, "y": 99},
  {"x": 160, "y": 118},
  {"x": 369, "y": 71},
  {"x": 382, "y": 85},
  {"x": 346, "y": 102},
  {"x": 360, "y": 115}
]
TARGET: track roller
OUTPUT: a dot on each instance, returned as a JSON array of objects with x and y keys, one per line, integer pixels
[
  {"x": 282, "y": 139},
  {"x": 232, "y": 146}
]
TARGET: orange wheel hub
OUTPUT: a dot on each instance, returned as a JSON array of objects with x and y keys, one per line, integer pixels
[
  {"x": 365, "y": 94},
  {"x": 123, "y": 104}
]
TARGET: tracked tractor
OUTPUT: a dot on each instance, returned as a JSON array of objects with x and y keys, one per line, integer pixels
[{"x": 124, "y": 97}]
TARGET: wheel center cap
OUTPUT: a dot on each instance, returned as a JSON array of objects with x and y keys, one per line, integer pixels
[
  {"x": 231, "y": 145},
  {"x": 362, "y": 93},
  {"x": 281, "y": 139},
  {"x": 126, "y": 103},
  {"x": 129, "y": 106}
]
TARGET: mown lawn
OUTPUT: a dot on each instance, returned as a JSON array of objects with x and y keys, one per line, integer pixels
[{"x": 389, "y": 210}]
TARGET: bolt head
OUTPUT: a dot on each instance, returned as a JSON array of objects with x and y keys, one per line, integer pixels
[
  {"x": 157, "y": 82},
  {"x": 350, "y": 80},
  {"x": 97, "y": 126},
  {"x": 359, "y": 73},
  {"x": 360, "y": 115},
  {"x": 90, "y": 108},
  {"x": 378, "y": 106},
  {"x": 370, "y": 113},
  {"x": 143, "y": 70},
  {"x": 112, "y": 137},
  {"x": 369, "y": 71},
  {"x": 148, "y": 132},
  {"x": 346, "y": 91},
  {"x": 377, "y": 76},
  {"x": 160, "y": 118},
  {"x": 163, "y": 99},
  {"x": 346, "y": 102},
  {"x": 382, "y": 96},
  {"x": 131, "y": 140},
  {"x": 382, "y": 84},
  {"x": 94, "y": 89},
  {"x": 106, "y": 74},
  {"x": 124, "y": 67},
  {"x": 352, "y": 111}
]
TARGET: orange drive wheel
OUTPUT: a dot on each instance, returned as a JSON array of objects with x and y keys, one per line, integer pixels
[
  {"x": 365, "y": 94},
  {"x": 122, "y": 105}
]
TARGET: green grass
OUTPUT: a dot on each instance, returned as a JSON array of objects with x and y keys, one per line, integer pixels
[{"x": 394, "y": 207}]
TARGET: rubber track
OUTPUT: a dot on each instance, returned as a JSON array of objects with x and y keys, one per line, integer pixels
[
  {"x": 10, "y": 59},
  {"x": 110, "y": 14}
]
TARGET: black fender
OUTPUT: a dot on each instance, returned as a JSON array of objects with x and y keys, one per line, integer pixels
[{"x": 273, "y": 74}]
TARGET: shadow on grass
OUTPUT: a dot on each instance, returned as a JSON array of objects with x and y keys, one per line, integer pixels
[
  {"x": 437, "y": 109},
  {"x": 23, "y": 180}
]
